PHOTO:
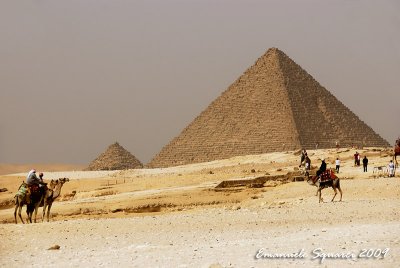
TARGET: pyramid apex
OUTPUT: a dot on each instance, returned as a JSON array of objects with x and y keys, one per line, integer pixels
[{"x": 274, "y": 51}]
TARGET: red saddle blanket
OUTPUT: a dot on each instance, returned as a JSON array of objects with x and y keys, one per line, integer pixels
[
  {"x": 326, "y": 176},
  {"x": 34, "y": 188}
]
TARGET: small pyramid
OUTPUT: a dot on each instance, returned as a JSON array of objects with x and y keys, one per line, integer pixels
[
  {"x": 115, "y": 157},
  {"x": 274, "y": 106}
]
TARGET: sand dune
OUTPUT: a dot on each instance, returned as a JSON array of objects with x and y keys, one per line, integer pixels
[{"x": 18, "y": 168}]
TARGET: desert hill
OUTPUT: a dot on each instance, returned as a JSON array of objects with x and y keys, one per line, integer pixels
[{"x": 20, "y": 168}]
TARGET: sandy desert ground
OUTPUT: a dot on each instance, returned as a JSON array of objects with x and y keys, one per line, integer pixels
[{"x": 175, "y": 217}]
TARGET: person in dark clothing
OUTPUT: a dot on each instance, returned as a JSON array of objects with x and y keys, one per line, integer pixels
[
  {"x": 303, "y": 156},
  {"x": 365, "y": 163},
  {"x": 322, "y": 168},
  {"x": 356, "y": 159},
  {"x": 308, "y": 165}
]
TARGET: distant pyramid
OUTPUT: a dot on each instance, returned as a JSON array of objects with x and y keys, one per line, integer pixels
[
  {"x": 115, "y": 158},
  {"x": 274, "y": 106}
]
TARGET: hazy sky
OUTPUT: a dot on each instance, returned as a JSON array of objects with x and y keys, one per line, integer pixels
[{"x": 78, "y": 75}]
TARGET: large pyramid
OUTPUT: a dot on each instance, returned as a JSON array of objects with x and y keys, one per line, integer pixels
[
  {"x": 115, "y": 158},
  {"x": 274, "y": 106}
]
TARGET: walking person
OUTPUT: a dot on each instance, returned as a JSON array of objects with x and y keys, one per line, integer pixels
[
  {"x": 337, "y": 164},
  {"x": 365, "y": 163},
  {"x": 355, "y": 159},
  {"x": 391, "y": 168},
  {"x": 303, "y": 156},
  {"x": 308, "y": 166}
]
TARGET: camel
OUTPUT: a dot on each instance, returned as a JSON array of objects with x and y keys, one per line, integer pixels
[
  {"x": 36, "y": 199},
  {"x": 49, "y": 199},
  {"x": 396, "y": 150},
  {"x": 21, "y": 200},
  {"x": 25, "y": 199},
  {"x": 333, "y": 181}
]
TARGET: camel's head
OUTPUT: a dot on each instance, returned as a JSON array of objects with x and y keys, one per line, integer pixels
[
  {"x": 63, "y": 180},
  {"x": 52, "y": 184}
]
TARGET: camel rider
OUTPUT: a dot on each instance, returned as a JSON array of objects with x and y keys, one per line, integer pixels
[
  {"x": 322, "y": 168},
  {"x": 32, "y": 179}
]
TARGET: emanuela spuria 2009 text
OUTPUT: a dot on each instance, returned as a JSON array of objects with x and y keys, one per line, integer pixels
[{"x": 319, "y": 254}]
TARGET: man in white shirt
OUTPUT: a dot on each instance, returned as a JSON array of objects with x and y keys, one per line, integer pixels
[
  {"x": 337, "y": 165},
  {"x": 391, "y": 168}
]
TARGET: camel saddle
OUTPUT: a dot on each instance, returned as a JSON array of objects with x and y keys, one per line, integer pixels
[
  {"x": 34, "y": 188},
  {"x": 23, "y": 189},
  {"x": 325, "y": 176}
]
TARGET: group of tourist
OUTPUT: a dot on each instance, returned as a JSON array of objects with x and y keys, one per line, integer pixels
[{"x": 357, "y": 161}]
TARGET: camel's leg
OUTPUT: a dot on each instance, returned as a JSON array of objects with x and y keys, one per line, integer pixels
[
  {"x": 340, "y": 191},
  {"x": 44, "y": 210},
  {"x": 320, "y": 194},
  {"x": 16, "y": 208},
  {"x": 34, "y": 219},
  {"x": 48, "y": 211},
  {"x": 36, "y": 210},
  {"x": 15, "y": 212},
  {"x": 19, "y": 214},
  {"x": 29, "y": 213},
  {"x": 334, "y": 189}
]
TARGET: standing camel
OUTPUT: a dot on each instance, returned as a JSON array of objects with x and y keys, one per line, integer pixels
[
  {"x": 333, "y": 181},
  {"x": 396, "y": 151},
  {"x": 396, "y": 148},
  {"x": 36, "y": 200},
  {"x": 21, "y": 199},
  {"x": 25, "y": 199},
  {"x": 49, "y": 199}
]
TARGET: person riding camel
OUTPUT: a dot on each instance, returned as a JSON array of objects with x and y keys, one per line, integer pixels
[
  {"x": 32, "y": 180},
  {"x": 41, "y": 177},
  {"x": 322, "y": 168}
]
